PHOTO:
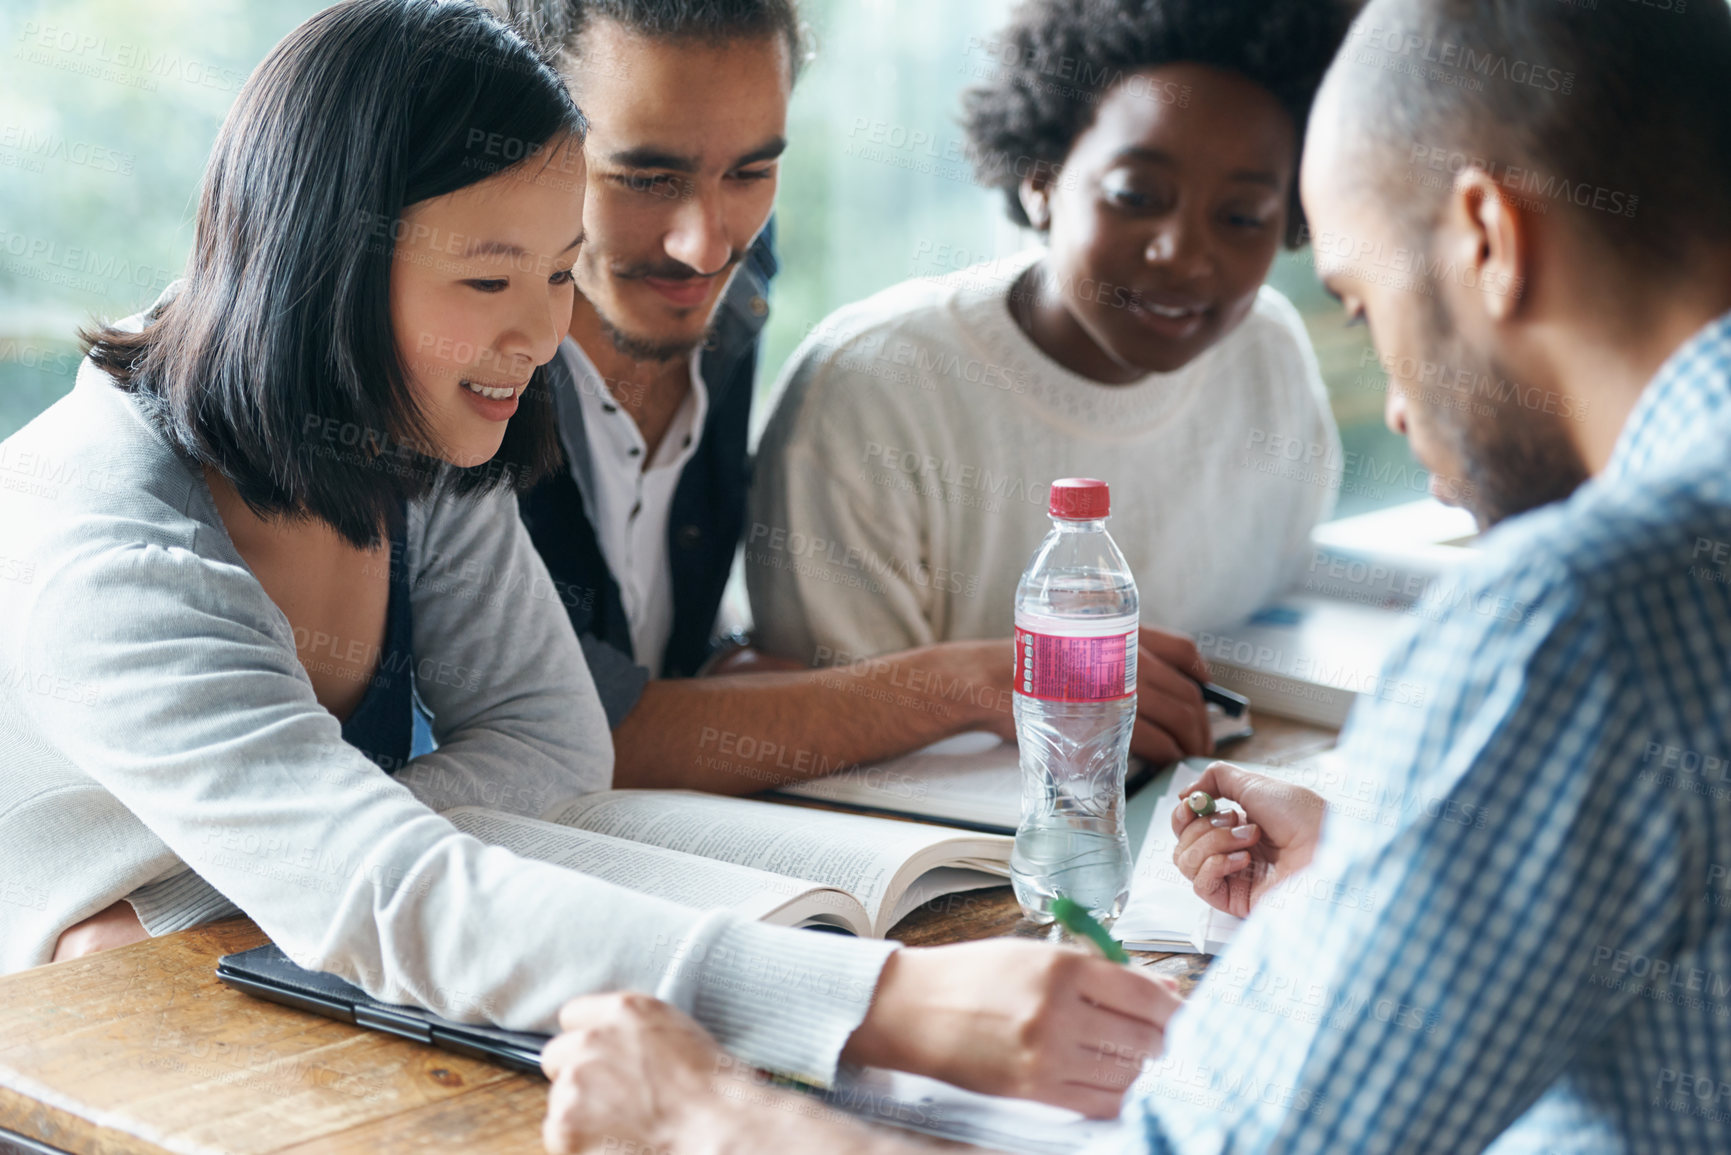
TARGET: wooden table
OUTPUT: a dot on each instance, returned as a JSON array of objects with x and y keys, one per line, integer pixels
[{"x": 141, "y": 1049}]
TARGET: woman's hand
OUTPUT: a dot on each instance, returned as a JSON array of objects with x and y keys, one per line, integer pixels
[
  {"x": 1171, "y": 716},
  {"x": 1232, "y": 860},
  {"x": 629, "y": 1073},
  {"x": 109, "y": 927},
  {"x": 1011, "y": 1017}
]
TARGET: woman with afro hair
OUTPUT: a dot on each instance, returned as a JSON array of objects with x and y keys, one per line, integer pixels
[{"x": 1153, "y": 146}]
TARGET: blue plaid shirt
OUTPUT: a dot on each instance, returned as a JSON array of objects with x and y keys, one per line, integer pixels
[{"x": 1517, "y": 935}]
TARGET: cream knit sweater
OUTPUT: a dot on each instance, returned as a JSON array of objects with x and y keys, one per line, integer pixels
[{"x": 901, "y": 483}]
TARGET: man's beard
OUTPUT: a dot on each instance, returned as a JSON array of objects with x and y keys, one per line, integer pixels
[
  {"x": 1512, "y": 457},
  {"x": 640, "y": 348},
  {"x": 648, "y": 348}
]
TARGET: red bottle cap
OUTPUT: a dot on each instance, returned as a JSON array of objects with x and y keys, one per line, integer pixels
[{"x": 1080, "y": 499}]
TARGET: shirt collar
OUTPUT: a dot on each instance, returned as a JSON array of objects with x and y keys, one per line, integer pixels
[
  {"x": 1687, "y": 401},
  {"x": 611, "y": 426}
]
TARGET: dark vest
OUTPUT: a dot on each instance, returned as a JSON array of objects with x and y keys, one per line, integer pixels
[{"x": 707, "y": 516}]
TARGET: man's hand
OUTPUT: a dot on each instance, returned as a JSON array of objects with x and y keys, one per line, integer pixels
[
  {"x": 1171, "y": 717},
  {"x": 633, "y": 1074},
  {"x": 629, "y": 1073},
  {"x": 1010, "y": 1017},
  {"x": 1232, "y": 860}
]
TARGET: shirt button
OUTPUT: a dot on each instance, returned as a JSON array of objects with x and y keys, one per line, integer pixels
[
  {"x": 634, "y": 452},
  {"x": 606, "y": 408},
  {"x": 690, "y": 537},
  {"x": 637, "y": 509},
  {"x": 759, "y": 307}
]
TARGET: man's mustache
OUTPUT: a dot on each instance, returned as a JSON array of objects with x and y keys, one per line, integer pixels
[{"x": 675, "y": 270}]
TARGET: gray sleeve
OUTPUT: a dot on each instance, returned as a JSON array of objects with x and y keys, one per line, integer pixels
[
  {"x": 514, "y": 714},
  {"x": 219, "y": 746},
  {"x": 515, "y": 711},
  {"x": 618, "y": 680}
]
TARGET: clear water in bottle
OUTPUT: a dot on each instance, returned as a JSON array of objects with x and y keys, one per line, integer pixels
[{"x": 1075, "y": 704}]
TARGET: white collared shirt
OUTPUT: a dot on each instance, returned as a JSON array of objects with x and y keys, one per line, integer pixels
[{"x": 631, "y": 503}]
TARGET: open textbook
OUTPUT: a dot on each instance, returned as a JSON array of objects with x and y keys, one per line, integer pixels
[
  {"x": 788, "y": 865},
  {"x": 971, "y": 780}
]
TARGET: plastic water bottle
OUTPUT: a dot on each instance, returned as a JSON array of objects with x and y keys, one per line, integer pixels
[{"x": 1075, "y": 703}]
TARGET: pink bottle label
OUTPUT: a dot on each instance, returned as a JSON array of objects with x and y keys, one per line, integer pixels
[{"x": 1059, "y": 669}]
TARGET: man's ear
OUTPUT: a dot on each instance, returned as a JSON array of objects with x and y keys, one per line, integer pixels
[
  {"x": 1035, "y": 194},
  {"x": 1488, "y": 240}
]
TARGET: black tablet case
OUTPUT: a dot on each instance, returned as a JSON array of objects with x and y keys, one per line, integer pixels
[{"x": 266, "y": 972}]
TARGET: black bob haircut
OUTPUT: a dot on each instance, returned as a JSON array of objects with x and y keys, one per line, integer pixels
[
  {"x": 557, "y": 26},
  {"x": 1619, "y": 113},
  {"x": 281, "y": 332},
  {"x": 1057, "y": 59}
]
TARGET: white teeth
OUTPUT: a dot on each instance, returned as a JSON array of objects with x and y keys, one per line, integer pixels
[
  {"x": 505, "y": 393},
  {"x": 1168, "y": 311}
]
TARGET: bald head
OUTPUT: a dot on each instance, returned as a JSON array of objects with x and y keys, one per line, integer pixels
[{"x": 1615, "y": 115}]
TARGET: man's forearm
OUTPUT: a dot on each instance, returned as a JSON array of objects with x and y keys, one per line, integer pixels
[{"x": 741, "y": 733}]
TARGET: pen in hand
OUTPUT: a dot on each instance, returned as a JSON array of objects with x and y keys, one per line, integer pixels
[
  {"x": 1233, "y": 704},
  {"x": 1074, "y": 918}
]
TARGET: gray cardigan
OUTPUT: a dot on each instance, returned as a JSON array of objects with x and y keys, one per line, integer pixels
[{"x": 158, "y": 731}]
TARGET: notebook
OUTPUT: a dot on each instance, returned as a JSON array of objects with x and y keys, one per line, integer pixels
[{"x": 1163, "y": 913}]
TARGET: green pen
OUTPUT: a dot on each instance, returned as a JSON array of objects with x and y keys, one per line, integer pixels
[{"x": 1073, "y": 917}]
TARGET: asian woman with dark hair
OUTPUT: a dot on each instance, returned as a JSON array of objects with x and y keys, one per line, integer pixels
[{"x": 281, "y": 504}]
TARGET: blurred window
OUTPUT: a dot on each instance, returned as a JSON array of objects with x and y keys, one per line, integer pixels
[{"x": 108, "y": 109}]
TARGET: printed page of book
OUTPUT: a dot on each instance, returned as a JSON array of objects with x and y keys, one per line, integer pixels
[
  {"x": 974, "y": 777},
  {"x": 937, "y": 883},
  {"x": 683, "y": 878},
  {"x": 874, "y": 859}
]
